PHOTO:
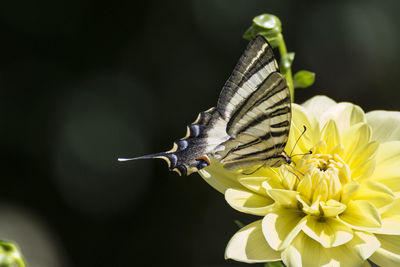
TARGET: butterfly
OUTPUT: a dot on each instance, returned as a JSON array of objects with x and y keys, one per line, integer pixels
[{"x": 248, "y": 127}]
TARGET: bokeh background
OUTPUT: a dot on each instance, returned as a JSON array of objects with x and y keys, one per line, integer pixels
[{"x": 83, "y": 82}]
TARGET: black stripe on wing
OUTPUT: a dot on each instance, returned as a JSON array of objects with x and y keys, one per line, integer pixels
[
  {"x": 260, "y": 126},
  {"x": 255, "y": 98},
  {"x": 272, "y": 134},
  {"x": 256, "y": 63},
  {"x": 264, "y": 117},
  {"x": 262, "y": 152},
  {"x": 246, "y": 164},
  {"x": 281, "y": 124},
  {"x": 271, "y": 93}
]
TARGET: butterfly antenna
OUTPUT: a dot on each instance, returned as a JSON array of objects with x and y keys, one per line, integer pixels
[
  {"x": 295, "y": 144},
  {"x": 302, "y": 154}
]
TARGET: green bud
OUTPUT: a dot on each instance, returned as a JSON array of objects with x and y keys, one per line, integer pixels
[
  {"x": 266, "y": 25},
  {"x": 286, "y": 62},
  {"x": 268, "y": 22},
  {"x": 303, "y": 79}
]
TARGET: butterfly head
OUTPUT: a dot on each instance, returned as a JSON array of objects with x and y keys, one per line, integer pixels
[{"x": 286, "y": 157}]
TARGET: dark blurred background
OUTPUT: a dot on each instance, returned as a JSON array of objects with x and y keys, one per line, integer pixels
[{"x": 84, "y": 82}]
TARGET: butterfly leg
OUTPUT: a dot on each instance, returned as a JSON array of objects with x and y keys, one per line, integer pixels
[
  {"x": 258, "y": 168},
  {"x": 298, "y": 178}
]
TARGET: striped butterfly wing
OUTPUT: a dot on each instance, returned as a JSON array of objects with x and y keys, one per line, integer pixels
[
  {"x": 248, "y": 127},
  {"x": 253, "y": 67},
  {"x": 256, "y": 103}
]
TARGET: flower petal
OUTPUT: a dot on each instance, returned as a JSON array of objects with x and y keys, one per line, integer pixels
[
  {"x": 289, "y": 179},
  {"x": 285, "y": 198},
  {"x": 270, "y": 183},
  {"x": 389, "y": 253},
  {"x": 390, "y": 243},
  {"x": 388, "y": 155},
  {"x": 249, "y": 245},
  {"x": 272, "y": 173},
  {"x": 362, "y": 155},
  {"x": 330, "y": 134},
  {"x": 321, "y": 189},
  {"x": 305, "y": 186},
  {"x": 349, "y": 190},
  {"x": 387, "y": 170},
  {"x": 248, "y": 202},
  {"x": 318, "y": 105},
  {"x": 329, "y": 232},
  {"x": 219, "y": 178},
  {"x": 344, "y": 114},
  {"x": 302, "y": 118},
  {"x": 376, "y": 193},
  {"x": 390, "y": 177},
  {"x": 361, "y": 215},
  {"x": 306, "y": 252},
  {"x": 332, "y": 208},
  {"x": 281, "y": 226},
  {"x": 254, "y": 184},
  {"x": 307, "y": 207},
  {"x": 365, "y": 244},
  {"x": 385, "y": 125},
  {"x": 364, "y": 170},
  {"x": 384, "y": 258},
  {"x": 390, "y": 220},
  {"x": 354, "y": 137}
]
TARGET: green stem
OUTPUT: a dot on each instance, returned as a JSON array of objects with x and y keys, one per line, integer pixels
[
  {"x": 287, "y": 72},
  {"x": 21, "y": 262}
]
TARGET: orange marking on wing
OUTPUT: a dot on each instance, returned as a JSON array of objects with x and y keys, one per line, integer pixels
[{"x": 205, "y": 158}]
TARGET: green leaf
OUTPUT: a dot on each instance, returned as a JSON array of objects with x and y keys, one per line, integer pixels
[
  {"x": 286, "y": 62},
  {"x": 303, "y": 79},
  {"x": 274, "y": 264}
]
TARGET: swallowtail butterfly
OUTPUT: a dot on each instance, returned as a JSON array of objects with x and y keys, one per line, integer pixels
[{"x": 250, "y": 125}]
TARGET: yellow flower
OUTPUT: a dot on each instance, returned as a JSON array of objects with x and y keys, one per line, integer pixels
[{"x": 338, "y": 206}]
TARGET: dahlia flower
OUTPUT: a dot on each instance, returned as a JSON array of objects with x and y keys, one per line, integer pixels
[{"x": 336, "y": 206}]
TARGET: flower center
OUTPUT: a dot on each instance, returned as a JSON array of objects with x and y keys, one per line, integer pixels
[
  {"x": 326, "y": 162},
  {"x": 322, "y": 162},
  {"x": 324, "y": 177},
  {"x": 323, "y": 166}
]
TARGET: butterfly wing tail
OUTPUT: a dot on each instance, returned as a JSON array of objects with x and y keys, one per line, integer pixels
[
  {"x": 151, "y": 156},
  {"x": 189, "y": 154}
]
